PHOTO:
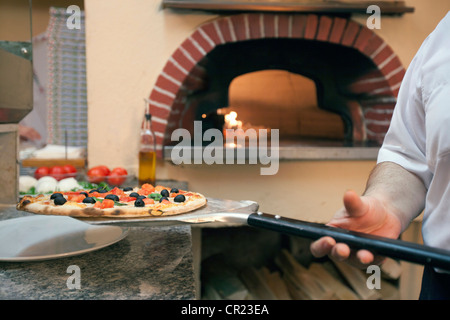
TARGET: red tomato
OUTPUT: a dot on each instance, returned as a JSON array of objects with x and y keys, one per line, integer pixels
[
  {"x": 148, "y": 186},
  {"x": 117, "y": 191},
  {"x": 148, "y": 201},
  {"x": 71, "y": 193},
  {"x": 126, "y": 199},
  {"x": 96, "y": 175},
  {"x": 95, "y": 194},
  {"x": 70, "y": 170},
  {"x": 76, "y": 197},
  {"x": 107, "y": 203},
  {"x": 41, "y": 172},
  {"x": 98, "y": 204},
  {"x": 120, "y": 171},
  {"x": 144, "y": 192},
  {"x": 57, "y": 172},
  {"x": 160, "y": 188},
  {"x": 116, "y": 179},
  {"x": 105, "y": 169}
]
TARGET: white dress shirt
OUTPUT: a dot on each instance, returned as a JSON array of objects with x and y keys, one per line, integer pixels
[{"x": 419, "y": 136}]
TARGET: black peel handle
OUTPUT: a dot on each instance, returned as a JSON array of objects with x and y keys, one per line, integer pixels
[{"x": 382, "y": 246}]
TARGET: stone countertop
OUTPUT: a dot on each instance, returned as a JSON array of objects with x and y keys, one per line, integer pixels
[{"x": 150, "y": 263}]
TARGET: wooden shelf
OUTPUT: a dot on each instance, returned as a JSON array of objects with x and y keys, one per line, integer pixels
[
  {"x": 327, "y": 7},
  {"x": 33, "y": 162}
]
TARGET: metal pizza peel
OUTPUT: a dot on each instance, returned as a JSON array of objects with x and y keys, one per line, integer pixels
[{"x": 218, "y": 212}]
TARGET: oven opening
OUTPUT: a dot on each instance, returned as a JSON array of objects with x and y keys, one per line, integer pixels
[
  {"x": 296, "y": 86},
  {"x": 278, "y": 99}
]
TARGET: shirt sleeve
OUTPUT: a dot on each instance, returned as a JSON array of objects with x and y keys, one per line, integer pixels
[{"x": 405, "y": 141}]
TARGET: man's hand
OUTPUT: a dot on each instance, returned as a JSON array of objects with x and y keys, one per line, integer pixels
[
  {"x": 28, "y": 133},
  {"x": 363, "y": 214},
  {"x": 393, "y": 197}
]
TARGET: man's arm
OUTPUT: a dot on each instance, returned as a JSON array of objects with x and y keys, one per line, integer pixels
[
  {"x": 402, "y": 191},
  {"x": 393, "y": 197}
]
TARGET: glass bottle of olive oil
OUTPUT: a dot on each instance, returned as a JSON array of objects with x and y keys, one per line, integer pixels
[{"x": 147, "y": 153}]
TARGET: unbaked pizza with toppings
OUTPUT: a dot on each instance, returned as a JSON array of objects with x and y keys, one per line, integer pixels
[{"x": 144, "y": 201}]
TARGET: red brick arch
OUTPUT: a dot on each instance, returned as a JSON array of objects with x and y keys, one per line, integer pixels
[{"x": 182, "y": 74}]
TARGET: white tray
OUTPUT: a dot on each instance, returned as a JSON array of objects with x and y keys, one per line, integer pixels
[{"x": 39, "y": 237}]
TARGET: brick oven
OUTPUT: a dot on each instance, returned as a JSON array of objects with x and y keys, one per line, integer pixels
[{"x": 356, "y": 73}]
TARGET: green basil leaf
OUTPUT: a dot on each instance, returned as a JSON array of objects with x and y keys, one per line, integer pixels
[
  {"x": 155, "y": 196},
  {"x": 104, "y": 185},
  {"x": 32, "y": 190},
  {"x": 119, "y": 204},
  {"x": 86, "y": 185}
]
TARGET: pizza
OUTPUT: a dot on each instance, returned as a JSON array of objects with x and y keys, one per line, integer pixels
[{"x": 144, "y": 201}]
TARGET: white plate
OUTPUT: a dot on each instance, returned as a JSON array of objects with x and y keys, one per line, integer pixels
[{"x": 35, "y": 238}]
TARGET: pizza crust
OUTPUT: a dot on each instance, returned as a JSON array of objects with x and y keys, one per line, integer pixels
[{"x": 41, "y": 205}]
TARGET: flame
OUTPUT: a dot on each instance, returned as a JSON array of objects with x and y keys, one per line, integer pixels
[{"x": 231, "y": 122}]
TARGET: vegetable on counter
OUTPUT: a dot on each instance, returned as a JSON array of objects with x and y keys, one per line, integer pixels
[
  {"x": 63, "y": 178},
  {"x": 115, "y": 177},
  {"x": 48, "y": 184},
  {"x": 57, "y": 172}
]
